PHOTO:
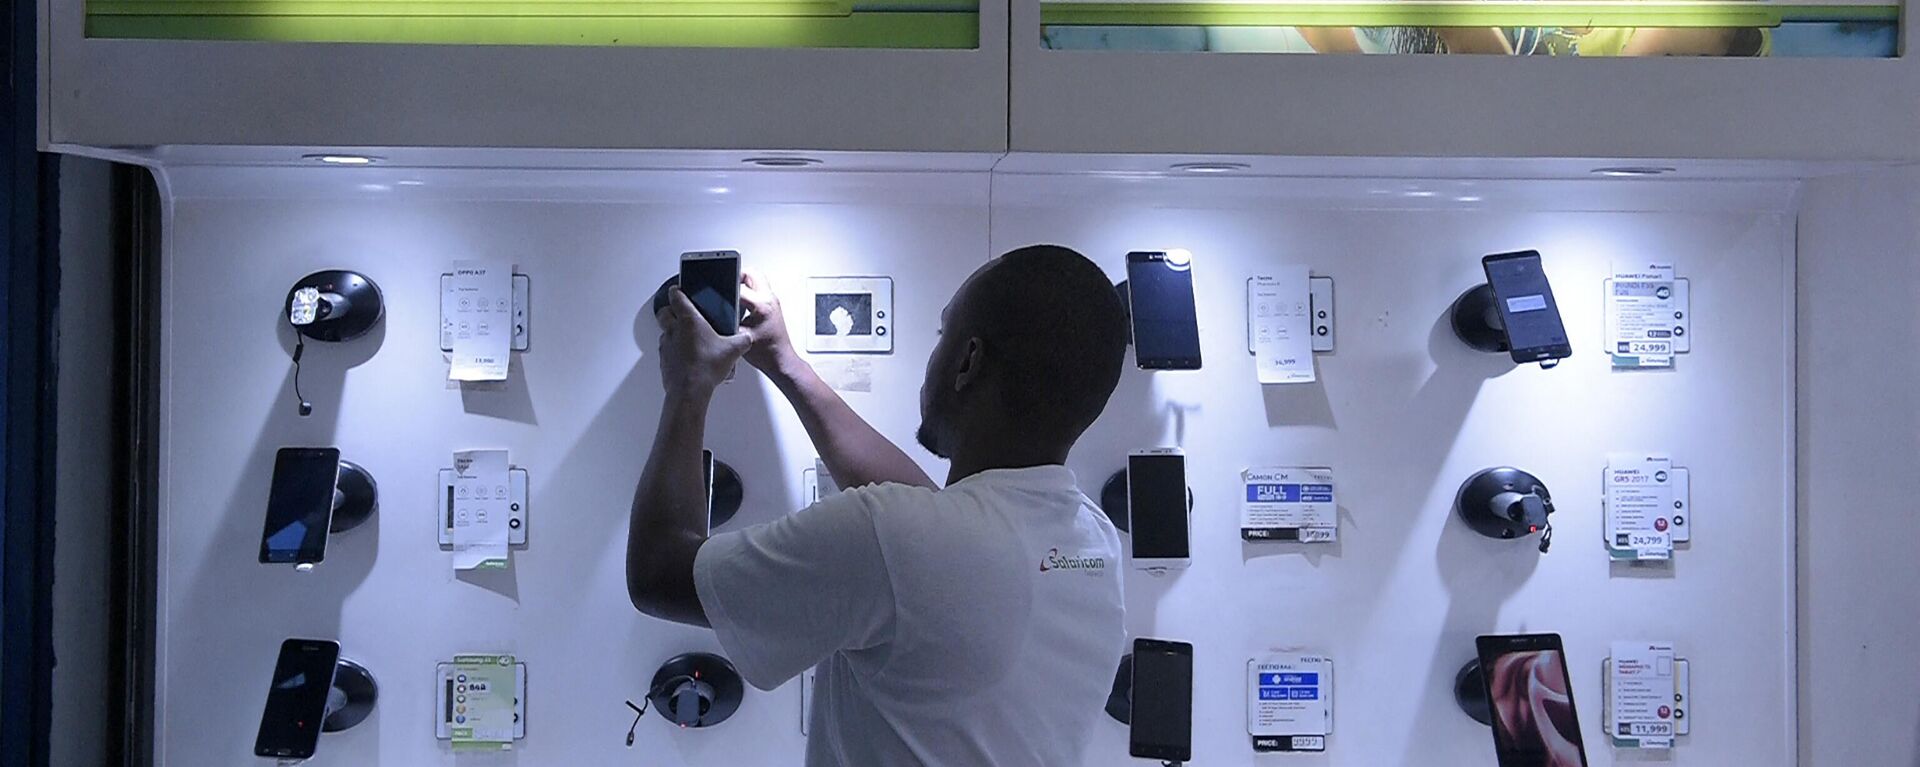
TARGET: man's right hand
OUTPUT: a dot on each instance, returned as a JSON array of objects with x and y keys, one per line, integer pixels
[{"x": 772, "y": 347}]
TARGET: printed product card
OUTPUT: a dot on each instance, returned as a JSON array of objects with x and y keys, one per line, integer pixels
[
  {"x": 480, "y": 509},
  {"x": 1288, "y": 504},
  {"x": 1280, "y": 323},
  {"x": 1641, "y": 707},
  {"x": 1646, "y": 316},
  {"x": 482, "y": 321},
  {"x": 1290, "y": 702},
  {"x": 1640, "y": 504},
  {"x": 484, "y": 691}
]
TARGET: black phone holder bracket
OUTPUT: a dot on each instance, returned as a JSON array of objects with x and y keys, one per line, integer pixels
[
  {"x": 1475, "y": 316},
  {"x": 696, "y": 689},
  {"x": 728, "y": 494},
  {"x": 1507, "y": 503},
  {"x": 1470, "y": 691},
  {"x": 1113, "y": 501},
  {"x": 660, "y": 295},
  {"x": 355, "y": 498},
  {"x": 1120, "y": 700},
  {"x": 1125, "y": 291},
  {"x": 352, "y": 697},
  {"x": 334, "y": 305}
]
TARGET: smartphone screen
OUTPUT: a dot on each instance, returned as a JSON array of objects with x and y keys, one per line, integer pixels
[
  {"x": 1162, "y": 726},
  {"x": 1534, "y": 723},
  {"x": 297, "y": 701},
  {"x": 712, "y": 281},
  {"x": 300, "y": 505},
  {"x": 1534, "y": 330},
  {"x": 1166, "y": 332},
  {"x": 1157, "y": 505}
]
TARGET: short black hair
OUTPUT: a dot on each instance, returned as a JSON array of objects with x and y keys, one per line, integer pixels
[{"x": 1054, "y": 321}]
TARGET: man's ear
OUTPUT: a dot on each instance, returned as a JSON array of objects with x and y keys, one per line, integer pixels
[{"x": 972, "y": 364}]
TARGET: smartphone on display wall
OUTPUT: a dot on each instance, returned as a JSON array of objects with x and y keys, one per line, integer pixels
[
  {"x": 300, "y": 505},
  {"x": 711, "y": 280},
  {"x": 1166, "y": 329},
  {"x": 1162, "y": 721},
  {"x": 1531, "y": 694},
  {"x": 1532, "y": 317},
  {"x": 297, "y": 701},
  {"x": 1157, "y": 508}
]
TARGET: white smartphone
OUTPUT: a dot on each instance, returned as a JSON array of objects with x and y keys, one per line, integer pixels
[
  {"x": 711, "y": 280},
  {"x": 1157, "y": 508}
]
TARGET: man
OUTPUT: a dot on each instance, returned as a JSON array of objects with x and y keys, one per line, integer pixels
[{"x": 973, "y": 625}]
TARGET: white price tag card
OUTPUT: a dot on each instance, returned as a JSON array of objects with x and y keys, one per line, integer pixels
[
  {"x": 481, "y": 502},
  {"x": 485, "y": 691},
  {"x": 1647, "y": 318},
  {"x": 1280, "y": 322},
  {"x": 1290, "y": 702},
  {"x": 1641, "y": 705},
  {"x": 482, "y": 321},
  {"x": 1288, "y": 504},
  {"x": 1640, "y": 506}
]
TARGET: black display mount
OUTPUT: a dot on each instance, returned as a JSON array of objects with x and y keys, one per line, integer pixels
[
  {"x": 1120, "y": 700},
  {"x": 1113, "y": 501},
  {"x": 349, "y": 305},
  {"x": 1506, "y": 503},
  {"x": 355, "y": 498},
  {"x": 728, "y": 494},
  {"x": 660, "y": 294},
  {"x": 696, "y": 689},
  {"x": 1475, "y": 317},
  {"x": 352, "y": 698},
  {"x": 1470, "y": 691}
]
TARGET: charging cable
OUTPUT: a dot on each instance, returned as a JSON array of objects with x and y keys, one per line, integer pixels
[
  {"x": 638, "y": 711},
  {"x": 299, "y": 348}
]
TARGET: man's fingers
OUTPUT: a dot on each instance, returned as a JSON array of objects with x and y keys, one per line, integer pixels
[
  {"x": 757, "y": 304},
  {"x": 751, "y": 279}
]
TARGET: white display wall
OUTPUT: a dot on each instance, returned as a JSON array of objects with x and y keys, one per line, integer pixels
[{"x": 1403, "y": 413}]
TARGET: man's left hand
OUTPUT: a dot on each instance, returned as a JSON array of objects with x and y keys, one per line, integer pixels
[{"x": 694, "y": 359}]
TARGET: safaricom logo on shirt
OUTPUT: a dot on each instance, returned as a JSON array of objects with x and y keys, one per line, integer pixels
[{"x": 1057, "y": 561}]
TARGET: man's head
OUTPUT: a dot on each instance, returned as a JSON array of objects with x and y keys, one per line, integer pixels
[{"x": 1030, "y": 349}]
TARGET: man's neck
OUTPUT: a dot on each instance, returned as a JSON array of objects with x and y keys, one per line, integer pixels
[{"x": 967, "y": 463}]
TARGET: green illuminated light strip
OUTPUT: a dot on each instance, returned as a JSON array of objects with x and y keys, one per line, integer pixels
[
  {"x": 919, "y": 30},
  {"x": 470, "y": 8},
  {"x": 1455, "y": 13},
  {"x": 517, "y": 8}
]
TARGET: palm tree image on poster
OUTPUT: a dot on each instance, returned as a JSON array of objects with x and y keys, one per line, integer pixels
[{"x": 1609, "y": 28}]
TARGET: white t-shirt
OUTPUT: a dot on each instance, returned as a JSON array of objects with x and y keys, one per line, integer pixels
[{"x": 974, "y": 626}]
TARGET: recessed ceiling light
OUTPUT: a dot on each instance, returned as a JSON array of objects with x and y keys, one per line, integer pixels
[
  {"x": 783, "y": 161},
  {"x": 411, "y": 182},
  {"x": 1210, "y": 167},
  {"x": 341, "y": 159},
  {"x": 1420, "y": 193},
  {"x": 1633, "y": 171},
  {"x": 1469, "y": 198}
]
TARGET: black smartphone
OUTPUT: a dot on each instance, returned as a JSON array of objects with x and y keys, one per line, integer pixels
[
  {"x": 1166, "y": 330},
  {"x": 1534, "y": 722},
  {"x": 1162, "y": 726},
  {"x": 711, "y": 280},
  {"x": 297, "y": 701},
  {"x": 300, "y": 505},
  {"x": 1534, "y": 330},
  {"x": 1157, "y": 508}
]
